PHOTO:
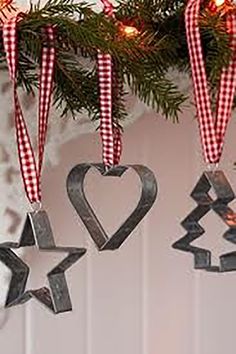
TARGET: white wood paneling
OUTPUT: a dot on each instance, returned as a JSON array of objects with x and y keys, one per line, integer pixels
[
  {"x": 170, "y": 300},
  {"x": 12, "y": 334},
  {"x": 138, "y": 300},
  {"x": 145, "y": 298}
]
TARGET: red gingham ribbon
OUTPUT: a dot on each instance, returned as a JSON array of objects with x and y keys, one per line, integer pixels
[
  {"x": 31, "y": 172},
  {"x": 108, "y": 8},
  {"x": 109, "y": 130},
  {"x": 212, "y": 129}
]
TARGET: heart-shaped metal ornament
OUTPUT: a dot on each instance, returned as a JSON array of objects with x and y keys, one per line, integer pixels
[{"x": 76, "y": 193}]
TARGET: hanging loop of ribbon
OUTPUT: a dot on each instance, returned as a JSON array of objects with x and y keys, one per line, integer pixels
[
  {"x": 108, "y": 8},
  {"x": 212, "y": 126},
  {"x": 109, "y": 130},
  {"x": 30, "y": 170}
]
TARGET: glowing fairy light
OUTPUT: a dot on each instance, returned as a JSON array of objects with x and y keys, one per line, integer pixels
[
  {"x": 129, "y": 31},
  {"x": 219, "y": 3}
]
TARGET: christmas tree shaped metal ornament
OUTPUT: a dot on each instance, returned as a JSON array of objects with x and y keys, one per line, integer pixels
[
  {"x": 37, "y": 232},
  {"x": 212, "y": 126},
  {"x": 217, "y": 182},
  {"x": 76, "y": 193}
]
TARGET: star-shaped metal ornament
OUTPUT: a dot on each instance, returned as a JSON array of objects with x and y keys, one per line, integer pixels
[
  {"x": 224, "y": 195},
  {"x": 37, "y": 231}
]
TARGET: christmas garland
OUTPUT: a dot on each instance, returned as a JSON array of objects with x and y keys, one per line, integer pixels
[{"x": 146, "y": 40}]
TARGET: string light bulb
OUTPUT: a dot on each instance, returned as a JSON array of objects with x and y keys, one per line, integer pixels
[
  {"x": 129, "y": 31},
  {"x": 222, "y": 6},
  {"x": 6, "y": 10},
  {"x": 218, "y": 6},
  {"x": 219, "y": 3}
]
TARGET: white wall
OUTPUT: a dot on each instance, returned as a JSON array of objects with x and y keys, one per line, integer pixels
[{"x": 145, "y": 298}]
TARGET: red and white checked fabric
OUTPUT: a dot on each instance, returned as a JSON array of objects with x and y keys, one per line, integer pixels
[
  {"x": 212, "y": 128},
  {"x": 108, "y": 8},
  {"x": 110, "y": 132},
  {"x": 31, "y": 172}
]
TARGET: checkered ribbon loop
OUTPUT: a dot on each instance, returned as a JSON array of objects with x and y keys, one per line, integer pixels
[
  {"x": 109, "y": 130},
  {"x": 212, "y": 127},
  {"x": 31, "y": 172},
  {"x": 108, "y": 8}
]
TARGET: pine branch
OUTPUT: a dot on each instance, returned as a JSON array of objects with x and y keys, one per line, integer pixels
[
  {"x": 80, "y": 38},
  {"x": 158, "y": 92},
  {"x": 142, "y": 61}
]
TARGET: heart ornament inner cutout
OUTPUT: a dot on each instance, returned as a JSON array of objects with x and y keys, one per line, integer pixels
[{"x": 76, "y": 193}]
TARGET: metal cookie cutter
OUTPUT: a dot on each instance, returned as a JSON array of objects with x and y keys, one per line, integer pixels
[
  {"x": 37, "y": 231},
  {"x": 76, "y": 193},
  {"x": 224, "y": 195}
]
